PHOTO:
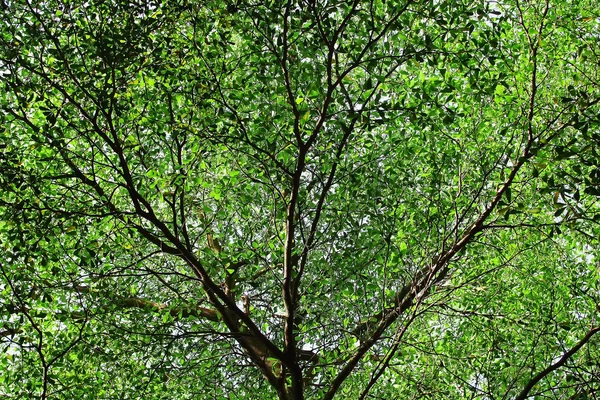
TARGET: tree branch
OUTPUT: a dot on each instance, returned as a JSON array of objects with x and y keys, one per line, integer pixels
[{"x": 533, "y": 381}]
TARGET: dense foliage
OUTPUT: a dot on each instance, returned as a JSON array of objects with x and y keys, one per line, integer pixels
[{"x": 301, "y": 199}]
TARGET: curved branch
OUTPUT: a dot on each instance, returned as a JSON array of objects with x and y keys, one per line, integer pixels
[{"x": 541, "y": 375}]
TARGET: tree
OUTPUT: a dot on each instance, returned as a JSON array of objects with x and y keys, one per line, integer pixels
[{"x": 351, "y": 199}]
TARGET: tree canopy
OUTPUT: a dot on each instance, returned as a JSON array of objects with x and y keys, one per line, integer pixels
[{"x": 299, "y": 199}]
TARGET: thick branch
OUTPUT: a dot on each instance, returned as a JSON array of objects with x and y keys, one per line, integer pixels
[
  {"x": 427, "y": 278},
  {"x": 176, "y": 312},
  {"x": 231, "y": 313},
  {"x": 533, "y": 381}
]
